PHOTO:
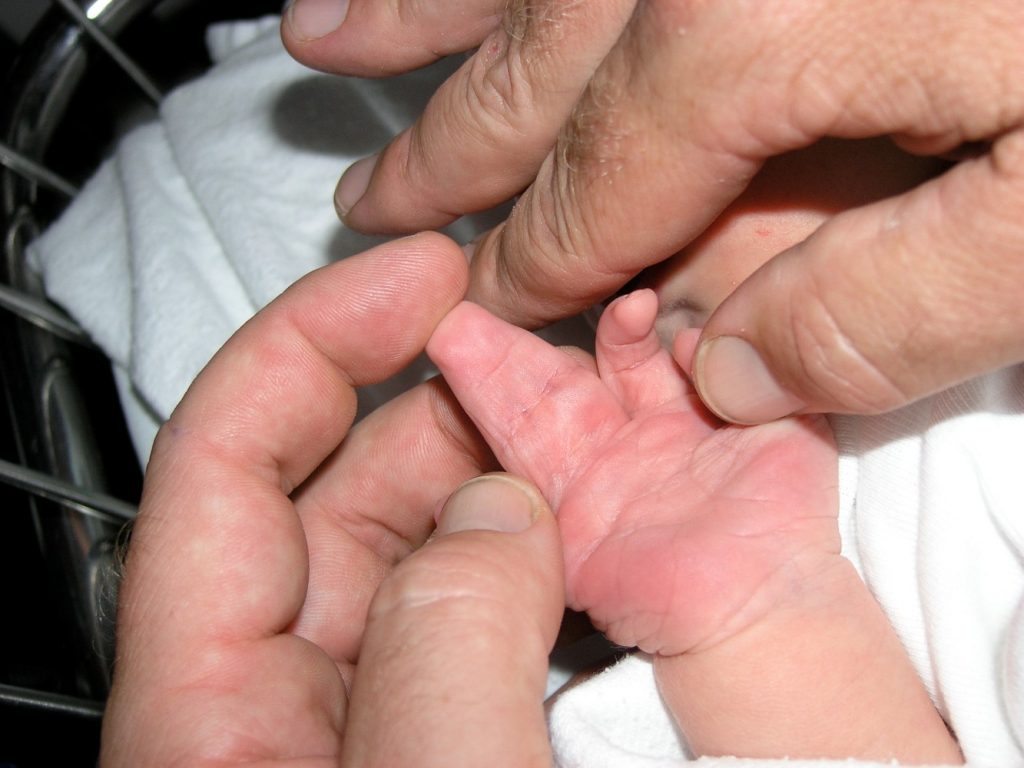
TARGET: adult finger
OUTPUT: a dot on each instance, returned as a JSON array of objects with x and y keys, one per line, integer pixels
[
  {"x": 372, "y": 503},
  {"x": 280, "y": 395},
  {"x": 882, "y": 305},
  {"x": 218, "y": 563},
  {"x": 488, "y": 128},
  {"x": 454, "y": 662},
  {"x": 373, "y": 39},
  {"x": 628, "y": 181},
  {"x": 675, "y": 123}
]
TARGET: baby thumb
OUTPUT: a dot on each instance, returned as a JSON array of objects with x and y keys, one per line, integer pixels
[{"x": 882, "y": 305}]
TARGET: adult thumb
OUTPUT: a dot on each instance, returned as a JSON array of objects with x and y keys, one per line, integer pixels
[
  {"x": 453, "y": 666},
  {"x": 882, "y": 305}
]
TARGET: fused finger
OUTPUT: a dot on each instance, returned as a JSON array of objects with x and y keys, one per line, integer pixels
[
  {"x": 526, "y": 397},
  {"x": 630, "y": 357},
  {"x": 488, "y": 128}
]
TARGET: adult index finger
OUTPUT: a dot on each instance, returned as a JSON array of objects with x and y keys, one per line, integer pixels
[
  {"x": 216, "y": 524},
  {"x": 489, "y": 126}
]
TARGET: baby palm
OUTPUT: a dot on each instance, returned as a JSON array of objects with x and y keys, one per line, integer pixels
[{"x": 678, "y": 530}]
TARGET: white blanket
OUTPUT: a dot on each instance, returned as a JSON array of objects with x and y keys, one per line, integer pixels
[
  {"x": 932, "y": 513},
  {"x": 206, "y": 214}
]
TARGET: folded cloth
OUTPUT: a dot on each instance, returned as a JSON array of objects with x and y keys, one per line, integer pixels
[
  {"x": 939, "y": 533},
  {"x": 932, "y": 514},
  {"x": 616, "y": 720},
  {"x": 205, "y": 214}
]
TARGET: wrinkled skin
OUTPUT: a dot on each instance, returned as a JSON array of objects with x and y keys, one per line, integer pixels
[
  {"x": 273, "y": 564},
  {"x": 679, "y": 531},
  {"x": 625, "y": 128}
]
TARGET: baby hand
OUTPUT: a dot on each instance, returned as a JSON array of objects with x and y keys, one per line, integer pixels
[{"x": 679, "y": 531}]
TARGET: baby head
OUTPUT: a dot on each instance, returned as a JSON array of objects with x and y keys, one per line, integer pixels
[{"x": 791, "y": 196}]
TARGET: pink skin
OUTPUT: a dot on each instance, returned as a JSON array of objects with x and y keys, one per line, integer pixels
[
  {"x": 679, "y": 531},
  {"x": 715, "y": 547}
]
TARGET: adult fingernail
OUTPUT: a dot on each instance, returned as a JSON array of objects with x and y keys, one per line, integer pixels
[
  {"x": 737, "y": 386},
  {"x": 488, "y": 503},
  {"x": 353, "y": 184},
  {"x": 312, "y": 19}
]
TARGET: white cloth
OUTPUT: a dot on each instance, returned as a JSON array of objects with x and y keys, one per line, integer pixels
[
  {"x": 617, "y": 720},
  {"x": 932, "y": 513},
  {"x": 209, "y": 211}
]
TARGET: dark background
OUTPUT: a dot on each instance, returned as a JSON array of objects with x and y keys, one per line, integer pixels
[{"x": 37, "y": 649}]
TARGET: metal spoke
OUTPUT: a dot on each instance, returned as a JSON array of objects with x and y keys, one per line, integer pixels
[
  {"x": 33, "y": 171},
  {"x": 48, "y": 487},
  {"x": 133, "y": 70},
  {"x": 51, "y": 702},
  {"x": 43, "y": 315}
]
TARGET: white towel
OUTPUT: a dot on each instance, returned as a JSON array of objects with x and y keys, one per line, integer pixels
[
  {"x": 932, "y": 513},
  {"x": 207, "y": 213}
]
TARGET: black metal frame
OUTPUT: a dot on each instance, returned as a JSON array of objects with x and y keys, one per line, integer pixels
[{"x": 68, "y": 473}]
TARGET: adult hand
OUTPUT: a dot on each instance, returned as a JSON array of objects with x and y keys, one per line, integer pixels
[
  {"x": 638, "y": 125},
  {"x": 264, "y": 532}
]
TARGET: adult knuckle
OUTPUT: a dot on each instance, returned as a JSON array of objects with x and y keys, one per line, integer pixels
[
  {"x": 840, "y": 356},
  {"x": 559, "y": 243},
  {"x": 457, "y": 434},
  {"x": 590, "y": 152},
  {"x": 512, "y": 267},
  {"x": 560, "y": 234},
  {"x": 439, "y": 580},
  {"x": 516, "y": 68},
  {"x": 498, "y": 95},
  {"x": 531, "y": 253},
  {"x": 550, "y": 248},
  {"x": 979, "y": 96}
]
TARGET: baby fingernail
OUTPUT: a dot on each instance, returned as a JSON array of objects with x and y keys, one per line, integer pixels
[
  {"x": 737, "y": 386},
  {"x": 353, "y": 184},
  {"x": 312, "y": 19},
  {"x": 488, "y": 503}
]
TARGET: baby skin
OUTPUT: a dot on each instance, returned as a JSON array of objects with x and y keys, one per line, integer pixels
[{"x": 713, "y": 547}]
